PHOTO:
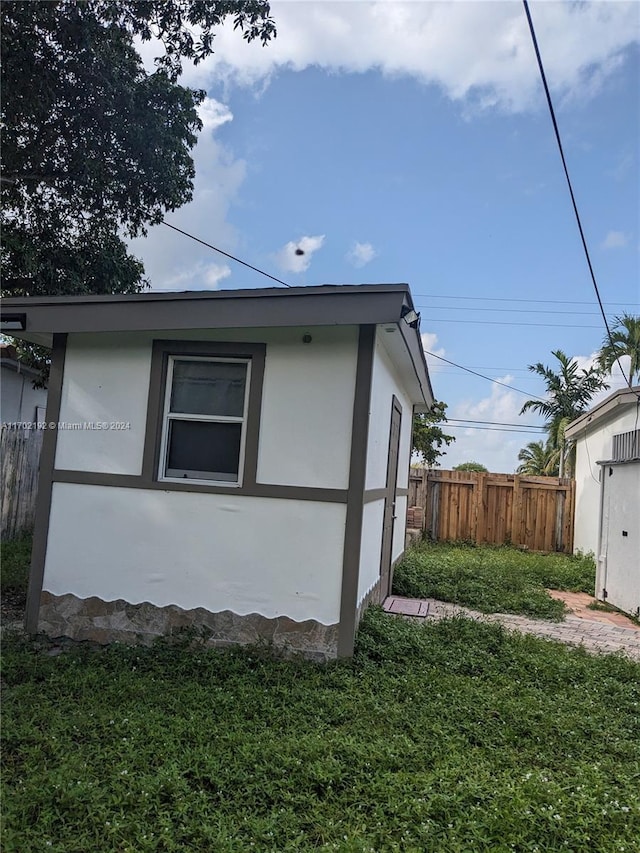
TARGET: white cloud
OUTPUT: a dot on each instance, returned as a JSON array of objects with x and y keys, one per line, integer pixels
[
  {"x": 199, "y": 276},
  {"x": 173, "y": 261},
  {"x": 213, "y": 114},
  {"x": 430, "y": 345},
  {"x": 496, "y": 450},
  {"x": 479, "y": 53},
  {"x": 361, "y": 254},
  {"x": 615, "y": 240},
  {"x": 289, "y": 261}
]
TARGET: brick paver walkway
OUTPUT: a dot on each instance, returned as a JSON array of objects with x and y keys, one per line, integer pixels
[{"x": 595, "y": 634}]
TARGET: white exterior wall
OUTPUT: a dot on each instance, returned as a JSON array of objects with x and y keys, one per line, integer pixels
[
  {"x": 307, "y": 409},
  {"x": 371, "y": 548},
  {"x": 217, "y": 551},
  {"x": 106, "y": 380},
  {"x": 245, "y": 554},
  {"x": 619, "y": 558},
  {"x": 385, "y": 384},
  {"x": 307, "y": 402},
  {"x": 592, "y": 445}
]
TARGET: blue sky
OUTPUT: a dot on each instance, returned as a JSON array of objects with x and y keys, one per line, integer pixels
[{"x": 411, "y": 142}]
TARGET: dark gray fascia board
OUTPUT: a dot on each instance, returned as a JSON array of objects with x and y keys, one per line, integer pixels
[
  {"x": 326, "y": 305},
  {"x": 231, "y": 293},
  {"x": 413, "y": 343}
]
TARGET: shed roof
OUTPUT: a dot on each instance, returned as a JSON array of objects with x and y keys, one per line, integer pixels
[{"x": 323, "y": 305}]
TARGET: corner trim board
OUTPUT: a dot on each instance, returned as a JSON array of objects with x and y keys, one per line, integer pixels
[
  {"x": 45, "y": 484},
  {"x": 356, "y": 491}
]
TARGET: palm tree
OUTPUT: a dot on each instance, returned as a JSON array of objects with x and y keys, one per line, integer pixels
[
  {"x": 569, "y": 392},
  {"x": 625, "y": 340},
  {"x": 539, "y": 459}
]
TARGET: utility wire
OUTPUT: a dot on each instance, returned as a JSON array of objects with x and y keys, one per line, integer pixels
[
  {"x": 573, "y": 199},
  {"x": 513, "y": 299},
  {"x": 495, "y": 423},
  {"x": 491, "y": 429},
  {"x": 482, "y": 376},
  {"x": 511, "y": 323},
  {"x": 505, "y": 310},
  {"x": 226, "y": 254}
]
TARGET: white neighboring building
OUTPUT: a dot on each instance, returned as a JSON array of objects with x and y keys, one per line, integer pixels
[
  {"x": 593, "y": 435},
  {"x": 607, "y": 515},
  {"x": 19, "y": 400},
  {"x": 236, "y": 460}
]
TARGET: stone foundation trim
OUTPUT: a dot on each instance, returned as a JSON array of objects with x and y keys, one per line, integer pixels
[
  {"x": 373, "y": 596},
  {"x": 94, "y": 620}
]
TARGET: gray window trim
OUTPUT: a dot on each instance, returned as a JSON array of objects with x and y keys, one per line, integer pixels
[{"x": 162, "y": 350}]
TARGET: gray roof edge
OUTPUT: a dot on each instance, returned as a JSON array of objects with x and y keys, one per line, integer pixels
[
  {"x": 621, "y": 397},
  {"x": 16, "y": 302}
]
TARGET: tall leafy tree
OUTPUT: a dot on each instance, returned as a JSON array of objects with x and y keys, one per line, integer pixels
[
  {"x": 94, "y": 147},
  {"x": 625, "y": 340},
  {"x": 569, "y": 392},
  {"x": 539, "y": 459},
  {"x": 428, "y": 435},
  {"x": 476, "y": 467}
]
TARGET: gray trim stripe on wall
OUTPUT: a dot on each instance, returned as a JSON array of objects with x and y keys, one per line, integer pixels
[
  {"x": 45, "y": 484},
  {"x": 355, "y": 495},
  {"x": 256, "y": 490}
]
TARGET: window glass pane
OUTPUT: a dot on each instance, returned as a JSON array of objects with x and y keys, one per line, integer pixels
[
  {"x": 203, "y": 450},
  {"x": 208, "y": 388}
]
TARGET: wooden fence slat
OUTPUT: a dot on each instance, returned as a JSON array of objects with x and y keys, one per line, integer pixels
[
  {"x": 534, "y": 512},
  {"x": 19, "y": 464}
]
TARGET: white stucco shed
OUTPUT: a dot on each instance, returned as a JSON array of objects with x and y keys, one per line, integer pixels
[{"x": 232, "y": 460}]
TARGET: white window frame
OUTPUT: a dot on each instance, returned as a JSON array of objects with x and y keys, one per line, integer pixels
[{"x": 168, "y": 416}]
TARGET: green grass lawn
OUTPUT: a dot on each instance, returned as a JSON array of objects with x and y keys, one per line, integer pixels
[
  {"x": 493, "y": 579},
  {"x": 451, "y": 736},
  {"x": 15, "y": 558}
]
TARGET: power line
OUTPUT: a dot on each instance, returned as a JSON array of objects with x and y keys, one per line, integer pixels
[
  {"x": 482, "y": 376},
  {"x": 495, "y": 423},
  {"x": 509, "y": 323},
  {"x": 514, "y": 299},
  {"x": 505, "y": 310},
  {"x": 226, "y": 254},
  {"x": 573, "y": 199},
  {"x": 492, "y": 429}
]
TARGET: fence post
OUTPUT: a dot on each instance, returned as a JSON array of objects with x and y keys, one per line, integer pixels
[
  {"x": 478, "y": 520},
  {"x": 516, "y": 512},
  {"x": 433, "y": 490}
]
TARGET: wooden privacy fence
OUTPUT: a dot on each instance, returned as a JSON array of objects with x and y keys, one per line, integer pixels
[
  {"x": 533, "y": 512},
  {"x": 19, "y": 461}
]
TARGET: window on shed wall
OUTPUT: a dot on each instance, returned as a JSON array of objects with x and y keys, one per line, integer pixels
[{"x": 205, "y": 419}]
